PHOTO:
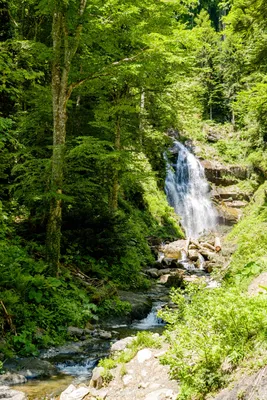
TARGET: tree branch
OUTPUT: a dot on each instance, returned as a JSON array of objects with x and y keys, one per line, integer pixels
[{"x": 96, "y": 76}]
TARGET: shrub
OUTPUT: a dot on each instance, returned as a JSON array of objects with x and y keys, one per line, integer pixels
[{"x": 209, "y": 329}]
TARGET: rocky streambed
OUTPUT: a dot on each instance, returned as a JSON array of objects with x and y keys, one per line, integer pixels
[{"x": 55, "y": 369}]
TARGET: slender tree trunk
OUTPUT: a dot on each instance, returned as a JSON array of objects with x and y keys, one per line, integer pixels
[
  {"x": 142, "y": 116},
  {"x": 61, "y": 91},
  {"x": 233, "y": 118},
  {"x": 60, "y": 75},
  {"x": 115, "y": 180},
  {"x": 211, "y": 116}
]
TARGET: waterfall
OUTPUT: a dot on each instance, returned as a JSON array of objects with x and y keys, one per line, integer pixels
[{"x": 188, "y": 193}]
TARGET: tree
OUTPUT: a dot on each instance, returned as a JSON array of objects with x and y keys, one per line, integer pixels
[{"x": 66, "y": 40}]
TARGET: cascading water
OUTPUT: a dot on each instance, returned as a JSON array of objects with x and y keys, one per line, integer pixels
[{"x": 188, "y": 193}]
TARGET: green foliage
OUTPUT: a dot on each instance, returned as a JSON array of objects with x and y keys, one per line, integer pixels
[
  {"x": 35, "y": 301},
  {"x": 250, "y": 237},
  {"x": 114, "y": 306},
  {"x": 209, "y": 329}
]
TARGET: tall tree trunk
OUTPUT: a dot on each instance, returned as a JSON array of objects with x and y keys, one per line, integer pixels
[
  {"x": 115, "y": 179},
  {"x": 60, "y": 73},
  {"x": 61, "y": 91}
]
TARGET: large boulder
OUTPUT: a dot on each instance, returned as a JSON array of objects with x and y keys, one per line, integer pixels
[
  {"x": 97, "y": 378},
  {"x": 10, "y": 394},
  {"x": 12, "y": 379},
  {"x": 31, "y": 368},
  {"x": 228, "y": 215},
  {"x": 73, "y": 393},
  {"x": 140, "y": 304},
  {"x": 174, "y": 250},
  {"x": 121, "y": 344},
  {"x": 73, "y": 331},
  {"x": 172, "y": 280}
]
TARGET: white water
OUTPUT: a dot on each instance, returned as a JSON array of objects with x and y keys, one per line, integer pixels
[
  {"x": 82, "y": 369},
  {"x": 188, "y": 193},
  {"x": 151, "y": 320}
]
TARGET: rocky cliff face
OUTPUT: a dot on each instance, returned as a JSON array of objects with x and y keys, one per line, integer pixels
[{"x": 228, "y": 189}]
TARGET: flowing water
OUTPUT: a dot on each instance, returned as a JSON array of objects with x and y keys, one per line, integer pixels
[
  {"x": 75, "y": 362},
  {"x": 188, "y": 193}
]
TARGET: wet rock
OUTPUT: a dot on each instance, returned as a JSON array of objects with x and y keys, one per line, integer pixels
[
  {"x": 164, "y": 271},
  {"x": 12, "y": 379},
  {"x": 175, "y": 280},
  {"x": 144, "y": 355},
  {"x": 73, "y": 393},
  {"x": 75, "y": 332},
  {"x": 193, "y": 247},
  {"x": 209, "y": 267},
  {"x": 31, "y": 368},
  {"x": 104, "y": 334},
  {"x": 169, "y": 262},
  {"x": 153, "y": 272},
  {"x": 193, "y": 255},
  {"x": 140, "y": 302},
  {"x": 121, "y": 345},
  {"x": 10, "y": 394}
]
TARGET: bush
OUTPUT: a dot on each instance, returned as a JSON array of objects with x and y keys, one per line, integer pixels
[
  {"x": 35, "y": 301},
  {"x": 209, "y": 330},
  {"x": 250, "y": 236}
]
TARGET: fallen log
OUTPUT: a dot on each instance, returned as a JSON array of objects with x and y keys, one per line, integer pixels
[
  {"x": 8, "y": 318},
  {"x": 195, "y": 242},
  {"x": 208, "y": 246},
  {"x": 218, "y": 246}
]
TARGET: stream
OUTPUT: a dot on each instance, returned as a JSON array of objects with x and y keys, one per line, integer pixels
[{"x": 75, "y": 361}]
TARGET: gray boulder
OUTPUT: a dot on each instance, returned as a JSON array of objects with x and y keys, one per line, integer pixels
[
  {"x": 10, "y": 394},
  {"x": 12, "y": 379},
  {"x": 121, "y": 345},
  {"x": 73, "y": 331},
  {"x": 31, "y": 368}
]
